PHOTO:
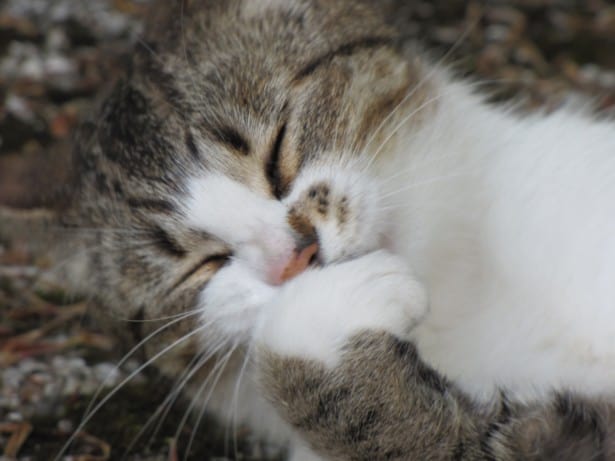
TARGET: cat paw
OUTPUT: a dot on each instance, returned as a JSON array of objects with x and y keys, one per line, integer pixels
[
  {"x": 232, "y": 303},
  {"x": 316, "y": 313}
]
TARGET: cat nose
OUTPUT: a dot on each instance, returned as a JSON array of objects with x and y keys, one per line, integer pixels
[{"x": 298, "y": 261}]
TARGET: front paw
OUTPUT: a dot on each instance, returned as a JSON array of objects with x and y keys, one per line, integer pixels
[{"x": 315, "y": 314}]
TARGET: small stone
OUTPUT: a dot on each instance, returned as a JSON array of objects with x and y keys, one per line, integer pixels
[
  {"x": 57, "y": 40},
  {"x": 66, "y": 426},
  {"x": 107, "y": 373},
  {"x": 15, "y": 417}
]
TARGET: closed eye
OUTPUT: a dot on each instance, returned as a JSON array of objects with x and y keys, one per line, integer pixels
[
  {"x": 272, "y": 168},
  {"x": 167, "y": 244},
  {"x": 210, "y": 264}
]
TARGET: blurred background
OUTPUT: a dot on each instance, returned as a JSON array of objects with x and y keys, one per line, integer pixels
[{"x": 56, "y": 55}]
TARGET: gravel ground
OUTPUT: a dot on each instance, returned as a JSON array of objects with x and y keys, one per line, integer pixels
[{"x": 54, "y": 57}]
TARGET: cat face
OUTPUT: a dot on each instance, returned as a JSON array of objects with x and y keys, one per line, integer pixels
[{"x": 242, "y": 146}]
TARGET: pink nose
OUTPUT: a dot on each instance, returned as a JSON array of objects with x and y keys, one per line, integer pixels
[{"x": 298, "y": 262}]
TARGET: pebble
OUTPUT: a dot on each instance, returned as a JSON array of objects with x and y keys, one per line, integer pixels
[
  {"x": 33, "y": 386},
  {"x": 51, "y": 56},
  {"x": 98, "y": 16}
]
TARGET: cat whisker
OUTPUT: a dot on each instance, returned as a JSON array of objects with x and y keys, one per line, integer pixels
[
  {"x": 403, "y": 121},
  {"x": 96, "y": 230},
  {"x": 191, "y": 369},
  {"x": 145, "y": 45},
  {"x": 428, "y": 182},
  {"x": 131, "y": 352},
  {"x": 210, "y": 354},
  {"x": 163, "y": 409},
  {"x": 424, "y": 80},
  {"x": 160, "y": 319},
  {"x": 373, "y": 157},
  {"x": 117, "y": 388},
  {"x": 406, "y": 119},
  {"x": 235, "y": 399},
  {"x": 165, "y": 405},
  {"x": 216, "y": 373}
]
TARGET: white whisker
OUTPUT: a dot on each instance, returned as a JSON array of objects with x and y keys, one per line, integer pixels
[
  {"x": 91, "y": 414},
  {"x": 130, "y": 353},
  {"x": 160, "y": 319},
  {"x": 235, "y": 399},
  {"x": 423, "y": 81},
  {"x": 163, "y": 409},
  {"x": 217, "y": 371},
  {"x": 428, "y": 182},
  {"x": 407, "y": 118}
]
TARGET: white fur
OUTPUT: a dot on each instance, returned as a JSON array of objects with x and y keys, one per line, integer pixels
[
  {"x": 254, "y": 227},
  {"x": 316, "y": 313},
  {"x": 507, "y": 220},
  {"x": 510, "y": 223},
  {"x": 233, "y": 302},
  {"x": 364, "y": 230}
]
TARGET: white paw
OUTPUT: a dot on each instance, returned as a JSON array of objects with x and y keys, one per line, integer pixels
[
  {"x": 232, "y": 303},
  {"x": 316, "y": 313}
]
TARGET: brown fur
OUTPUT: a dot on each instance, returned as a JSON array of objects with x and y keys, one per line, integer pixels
[
  {"x": 201, "y": 71},
  {"x": 382, "y": 402}
]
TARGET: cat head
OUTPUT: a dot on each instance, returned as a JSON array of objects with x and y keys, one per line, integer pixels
[{"x": 242, "y": 146}]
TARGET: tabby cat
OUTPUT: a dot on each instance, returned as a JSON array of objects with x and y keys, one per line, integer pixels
[{"x": 342, "y": 245}]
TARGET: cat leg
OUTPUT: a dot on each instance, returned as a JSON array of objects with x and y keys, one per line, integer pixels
[
  {"x": 314, "y": 316},
  {"x": 359, "y": 393}
]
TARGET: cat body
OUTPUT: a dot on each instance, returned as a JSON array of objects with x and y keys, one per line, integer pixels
[
  {"x": 464, "y": 252},
  {"x": 509, "y": 225},
  {"x": 505, "y": 221},
  {"x": 497, "y": 225}
]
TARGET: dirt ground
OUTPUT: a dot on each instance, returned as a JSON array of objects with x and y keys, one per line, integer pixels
[{"x": 56, "y": 55}]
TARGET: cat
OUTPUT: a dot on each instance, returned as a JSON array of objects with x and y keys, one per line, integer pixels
[{"x": 338, "y": 243}]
